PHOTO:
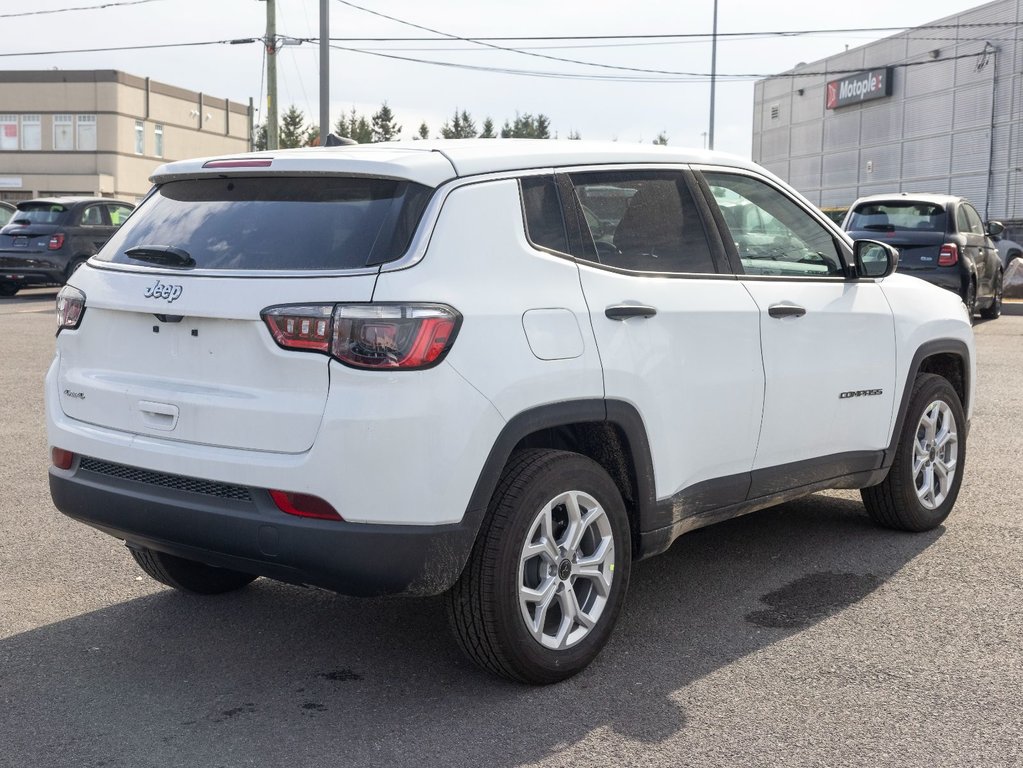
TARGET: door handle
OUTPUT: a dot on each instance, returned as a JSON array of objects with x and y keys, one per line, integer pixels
[
  {"x": 625, "y": 311},
  {"x": 786, "y": 310}
]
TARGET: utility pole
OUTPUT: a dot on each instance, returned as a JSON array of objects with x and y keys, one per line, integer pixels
[
  {"x": 324, "y": 72},
  {"x": 713, "y": 75},
  {"x": 272, "y": 131}
]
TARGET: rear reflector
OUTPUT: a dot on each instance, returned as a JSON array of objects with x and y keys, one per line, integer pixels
[
  {"x": 238, "y": 163},
  {"x": 304, "y": 505},
  {"x": 62, "y": 459}
]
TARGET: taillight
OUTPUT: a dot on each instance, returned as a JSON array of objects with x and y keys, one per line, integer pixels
[
  {"x": 306, "y": 327},
  {"x": 62, "y": 459},
  {"x": 304, "y": 505},
  {"x": 70, "y": 308},
  {"x": 948, "y": 255},
  {"x": 56, "y": 242},
  {"x": 368, "y": 336}
]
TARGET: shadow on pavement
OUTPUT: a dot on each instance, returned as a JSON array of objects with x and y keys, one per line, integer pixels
[{"x": 279, "y": 675}]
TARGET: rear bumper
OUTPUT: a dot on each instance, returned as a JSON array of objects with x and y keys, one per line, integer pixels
[
  {"x": 951, "y": 279},
  {"x": 17, "y": 267},
  {"x": 253, "y": 536}
]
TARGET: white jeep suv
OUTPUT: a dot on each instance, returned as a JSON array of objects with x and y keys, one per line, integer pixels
[{"x": 434, "y": 367}]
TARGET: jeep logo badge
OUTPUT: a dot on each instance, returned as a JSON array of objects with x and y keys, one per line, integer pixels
[{"x": 162, "y": 290}]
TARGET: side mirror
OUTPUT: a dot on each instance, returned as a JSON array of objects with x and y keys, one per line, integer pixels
[
  {"x": 874, "y": 259},
  {"x": 995, "y": 228}
]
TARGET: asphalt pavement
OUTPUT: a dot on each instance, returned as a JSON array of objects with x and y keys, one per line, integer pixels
[{"x": 798, "y": 636}]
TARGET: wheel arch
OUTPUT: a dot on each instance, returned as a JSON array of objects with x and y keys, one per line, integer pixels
[
  {"x": 948, "y": 358},
  {"x": 609, "y": 432}
]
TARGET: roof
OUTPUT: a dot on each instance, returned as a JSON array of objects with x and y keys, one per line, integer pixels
[
  {"x": 909, "y": 197},
  {"x": 67, "y": 201},
  {"x": 434, "y": 162}
]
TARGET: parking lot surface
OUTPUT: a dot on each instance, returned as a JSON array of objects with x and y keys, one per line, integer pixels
[{"x": 800, "y": 636}]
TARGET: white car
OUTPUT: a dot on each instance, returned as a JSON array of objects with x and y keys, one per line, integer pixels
[{"x": 413, "y": 368}]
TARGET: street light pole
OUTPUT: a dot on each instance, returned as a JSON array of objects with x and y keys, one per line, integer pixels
[
  {"x": 713, "y": 75},
  {"x": 324, "y": 72}
]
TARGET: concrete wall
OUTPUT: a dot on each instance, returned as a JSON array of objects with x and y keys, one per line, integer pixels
[{"x": 193, "y": 124}]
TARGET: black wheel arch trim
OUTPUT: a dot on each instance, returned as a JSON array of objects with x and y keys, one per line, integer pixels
[
  {"x": 595, "y": 410},
  {"x": 930, "y": 349}
]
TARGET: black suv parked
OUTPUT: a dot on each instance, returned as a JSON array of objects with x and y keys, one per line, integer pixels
[
  {"x": 48, "y": 239},
  {"x": 941, "y": 239}
]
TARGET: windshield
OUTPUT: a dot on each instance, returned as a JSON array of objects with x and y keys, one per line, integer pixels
[
  {"x": 274, "y": 223},
  {"x": 39, "y": 213},
  {"x": 897, "y": 215}
]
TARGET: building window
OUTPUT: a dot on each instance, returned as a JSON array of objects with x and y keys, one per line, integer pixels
[
  {"x": 87, "y": 133},
  {"x": 63, "y": 133},
  {"x": 775, "y": 111},
  {"x": 31, "y": 132},
  {"x": 158, "y": 140},
  {"x": 140, "y": 137},
  {"x": 8, "y": 132}
]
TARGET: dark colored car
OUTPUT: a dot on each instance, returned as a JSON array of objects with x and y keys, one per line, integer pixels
[
  {"x": 941, "y": 239},
  {"x": 47, "y": 239}
]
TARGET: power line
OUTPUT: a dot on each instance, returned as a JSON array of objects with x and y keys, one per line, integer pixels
[
  {"x": 133, "y": 47},
  {"x": 77, "y": 8}
]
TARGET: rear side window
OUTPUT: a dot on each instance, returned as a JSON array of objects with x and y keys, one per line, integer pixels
[
  {"x": 897, "y": 216},
  {"x": 542, "y": 206},
  {"x": 324, "y": 223},
  {"x": 644, "y": 221}
]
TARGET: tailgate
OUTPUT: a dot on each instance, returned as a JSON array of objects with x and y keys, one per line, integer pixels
[{"x": 209, "y": 373}]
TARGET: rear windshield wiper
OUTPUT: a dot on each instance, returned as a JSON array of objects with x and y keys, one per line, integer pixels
[{"x": 164, "y": 255}]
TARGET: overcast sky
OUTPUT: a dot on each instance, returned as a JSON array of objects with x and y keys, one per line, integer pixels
[{"x": 627, "y": 111}]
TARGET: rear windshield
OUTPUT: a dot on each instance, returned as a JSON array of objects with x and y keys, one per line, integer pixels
[
  {"x": 314, "y": 223},
  {"x": 39, "y": 213},
  {"x": 898, "y": 215}
]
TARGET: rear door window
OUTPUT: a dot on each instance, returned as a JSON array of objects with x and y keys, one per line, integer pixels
[
  {"x": 325, "y": 223},
  {"x": 642, "y": 221},
  {"x": 92, "y": 216}
]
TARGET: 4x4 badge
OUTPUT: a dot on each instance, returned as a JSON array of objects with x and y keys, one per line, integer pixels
[{"x": 163, "y": 290}]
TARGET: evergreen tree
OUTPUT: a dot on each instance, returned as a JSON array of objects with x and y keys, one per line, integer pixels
[
  {"x": 574, "y": 136},
  {"x": 462, "y": 126},
  {"x": 662, "y": 139},
  {"x": 384, "y": 127},
  {"x": 293, "y": 131},
  {"x": 527, "y": 127},
  {"x": 259, "y": 138},
  {"x": 488, "y": 130},
  {"x": 355, "y": 127},
  {"x": 424, "y": 131}
]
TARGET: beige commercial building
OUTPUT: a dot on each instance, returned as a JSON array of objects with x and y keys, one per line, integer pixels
[{"x": 103, "y": 132}]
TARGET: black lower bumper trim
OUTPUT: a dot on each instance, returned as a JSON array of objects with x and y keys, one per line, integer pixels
[{"x": 255, "y": 537}]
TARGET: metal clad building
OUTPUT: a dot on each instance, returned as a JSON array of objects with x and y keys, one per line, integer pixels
[{"x": 949, "y": 119}]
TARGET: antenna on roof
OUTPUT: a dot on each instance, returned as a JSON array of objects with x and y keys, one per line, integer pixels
[{"x": 333, "y": 140}]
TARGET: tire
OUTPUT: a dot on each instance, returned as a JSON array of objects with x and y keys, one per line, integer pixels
[
  {"x": 188, "y": 575},
  {"x": 9, "y": 289},
  {"x": 74, "y": 266},
  {"x": 931, "y": 448},
  {"x": 512, "y": 608},
  {"x": 994, "y": 311}
]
